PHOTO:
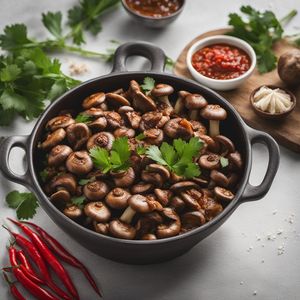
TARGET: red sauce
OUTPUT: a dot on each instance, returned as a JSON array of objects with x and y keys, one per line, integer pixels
[
  {"x": 221, "y": 61},
  {"x": 154, "y": 8}
]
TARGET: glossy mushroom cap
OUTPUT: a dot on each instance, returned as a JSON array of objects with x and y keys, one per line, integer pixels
[
  {"x": 150, "y": 120},
  {"x": 223, "y": 194},
  {"x": 213, "y": 112},
  {"x": 162, "y": 89},
  {"x": 116, "y": 99},
  {"x": 97, "y": 211},
  {"x": 64, "y": 181},
  {"x": 77, "y": 135},
  {"x": 212, "y": 208},
  {"x": 60, "y": 198},
  {"x": 183, "y": 185},
  {"x": 53, "y": 139},
  {"x": 73, "y": 212},
  {"x": 149, "y": 237},
  {"x": 209, "y": 161},
  {"x": 179, "y": 128},
  {"x": 153, "y": 136},
  {"x": 163, "y": 196},
  {"x": 95, "y": 190},
  {"x": 236, "y": 159},
  {"x": 59, "y": 122},
  {"x": 194, "y": 101},
  {"x": 117, "y": 198},
  {"x": 102, "y": 228},
  {"x": 142, "y": 204},
  {"x": 123, "y": 178},
  {"x": 192, "y": 219},
  {"x": 171, "y": 227},
  {"x": 141, "y": 188},
  {"x": 192, "y": 198},
  {"x": 219, "y": 178},
  {"x": 102, "y": 139},
  {"x": 98, "y": 124},
  {"x": 124, "y": 131},
  {"x": 142, "y": 102},
  {"x": 122, "y": 230},
  {"x": 58, "y": 155},
  {"x": 79, "y": 163},
  {"x": 93, "y": 100}
]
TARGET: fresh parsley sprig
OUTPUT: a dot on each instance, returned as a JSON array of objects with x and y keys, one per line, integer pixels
[
  {"x": 178, "y": 157},
  {"x": 148, "y": 84},
  {"x": 115, "y": 160}
]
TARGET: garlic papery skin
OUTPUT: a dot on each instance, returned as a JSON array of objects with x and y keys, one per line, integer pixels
[{"x": 273, "y": 101}]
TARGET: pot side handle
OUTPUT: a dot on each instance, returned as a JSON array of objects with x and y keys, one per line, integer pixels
[
  {"x": 6, "y": 145},
  {"x": 257, "y": 192},
  {"x": 156, "y": 56}
]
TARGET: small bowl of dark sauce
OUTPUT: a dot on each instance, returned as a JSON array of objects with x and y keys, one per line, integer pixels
[{"x": 154, "y": 13}]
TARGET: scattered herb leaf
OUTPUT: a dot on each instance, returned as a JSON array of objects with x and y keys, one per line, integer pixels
[
  {"x": 140, "y": 137},
  {"x": 83, "y": 118},
  {"x": 141, "y": 150},
  {"x": 78, "y": 201},
  {"x": 224, "y": 162},
  {"x": 148, "y": 84},
  {"x": 44, "y": 175},
  {"x": 86, "y": 181}
]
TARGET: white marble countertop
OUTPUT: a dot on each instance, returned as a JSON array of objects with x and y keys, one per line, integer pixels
[{"x": 241, "y": 260}]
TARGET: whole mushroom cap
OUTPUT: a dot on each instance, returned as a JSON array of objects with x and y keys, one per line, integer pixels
[
  {"x": 60, "y": 198},
  {"x": 116, "y": 99},
  {"x": 162, "y": 89},
  {"x": 73, "y": 212},
  {"x": 142, "y": 102},
  {"x": 66, "y": 181},
  {"x": 195, "y": 101},
  {"x": 122, "y": 230},
  {"x": 77, "y": 135},
  {"x": 102, "y": 139},
  {"x": 99, "y": 124},
  {"x": 142, "y": 204},
  {"x": 123, "y": 178},
  {"x": 53, "y": 139},
  {"x": 59, "y": 122},
  {"x": 183, "y": 185},
  {"x": 79, "y": 163},
  {"x": 209, "y": 161},
  {"x": 213, "y": 112},
  {"x": 93, "y": 100},
  {"x": 97, "y": 211},
  {"x": 171, "y": 228},
  {"x": 117, "y": 198},
  {"x": 193, "y": 219},
  {"x": 223, "y": 194},
  {"x": 58, "y": 155},
  {"x": 101, "y": 227},
  {"x": 95, "y": 190}
]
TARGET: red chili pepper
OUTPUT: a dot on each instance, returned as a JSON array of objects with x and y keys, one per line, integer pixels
[
  {"x": 50, "y": 258},
  {"x": 13, "y": 289},
  {"x": 64, "y": 254},
  {"x": 36, "y": 257},
  {"x": 30, "y": 286}
]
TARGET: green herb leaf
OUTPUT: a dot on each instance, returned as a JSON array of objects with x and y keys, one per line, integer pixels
[
  {"x": 224, "y": 162},
  {"x": 140, "y": 137},
  {"x": 14, "y": 36},
  {"x": 100, "y": 157},
  {"x": 24, "y": 203},
  {"x": 44, "y": 175},
  {"x": 148, "y": 84},
  {"x": 86, "y": 181},
  {"x": 154, "y": 153},
  {"x": 78, "y": 201},
  {"x": 83, "y": 118},
  {"x": 141, "y": 150},
  {"x": 52, "y": 21}
]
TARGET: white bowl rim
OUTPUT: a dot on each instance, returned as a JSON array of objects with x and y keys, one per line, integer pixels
[{"x": 213, "y": 39}]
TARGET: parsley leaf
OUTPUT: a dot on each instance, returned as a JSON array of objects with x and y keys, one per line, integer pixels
[
  {"x": 178, "y": 157},
  {"x": 141, "y": 150},
  {"x": 148, "y": 84},
  {"x": 140, "y": 137},
  {"x": 44, "y": 175},
  {"x": 224, "y": 162},
  {"x": 52, "y": 21},
  {"x": 86, "y": 181},
  {"x": 24, "y": 203},
  {"x": 83, "y": 118},
  {"x": 78, "y": 201}
]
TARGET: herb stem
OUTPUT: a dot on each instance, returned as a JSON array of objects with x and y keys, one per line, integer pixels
[
  {"x": 285, "y": 20},
  {"x": 84, "y": 52}
]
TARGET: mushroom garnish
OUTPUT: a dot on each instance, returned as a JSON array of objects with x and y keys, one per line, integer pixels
[
  {"x": 60, "y": 122},
  {"x": 73, "y": 212},
  {"x": 214, "y": 113},
  {"x": 102, "y": 139},
  {"x": 161, "y": 91},
  {"x": 77, "y": 135},
  {"x": 53, "y": 139},
  {"x": 79, "y": 163},
  {"x": 223, "y": 194},
  {"x": 58, "y": 155},
  {"x": 93, "y": 100},
  {"x": 122, "y": 230},
  {"x": 117, "y": 198},
  {"x": 172, "y": 225},
  {"x": 97, "y": 211},
  {"x": 95, "y": 190},
  {"x": 194, "y": 102}
]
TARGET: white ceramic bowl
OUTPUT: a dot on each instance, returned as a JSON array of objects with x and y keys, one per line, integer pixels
[{"x": 221, "y": 84}]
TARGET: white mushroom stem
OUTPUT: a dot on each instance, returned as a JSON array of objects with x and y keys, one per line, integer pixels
[
  {"x": 214, "y": 128},
  {"x": 179, "y": 105},
  {"x": 194, "y": 114},
  {"x": 164, "y": 99},
  {"x": 127, "y": 215}
]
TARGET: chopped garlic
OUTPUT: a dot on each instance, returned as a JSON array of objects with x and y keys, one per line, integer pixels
[{"x": 272, "y": 100}]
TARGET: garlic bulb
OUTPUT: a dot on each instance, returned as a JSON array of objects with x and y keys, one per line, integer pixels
[{"x": 272, "y": 100}]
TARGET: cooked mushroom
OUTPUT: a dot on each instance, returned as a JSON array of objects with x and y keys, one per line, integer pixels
[
  {"x": 192, "y": 198},
  {"x": 152, "y": 177},
  {"x": 97, "y": 211},
  {"x": 219, "y": 178},
  {"x": 210, "y": 143},
  {"x": 94, "y": 112},
  {"x": 198, "y": 128},
  {"x": 209, "y": 161},
  {"x": 99, "y": 124},
  {"x": 192, "y": 219},
  {"x": 172, "y": 225},
  {"x": 123, "y": 178},
  {"x": 150, "y": 120},
  {"x": 236, "y": 159},
  {"x": 163, "y": 196},
  {"x": 114, "y": 120},
  {"x": 227, "y": 145},
  {"x": 77, "y": 135},
  {"x": 124, "y": 131},
  {"x": 73, "y": 212},
  {"x": 179, "y": 105},
  {"x": 153, "y": 136},
  {"x": 64, "y": 181},
  {"x": 122, "y": 230},
  {"x": 58, "y": 155},
  {"x": 62, "y": 121},
  {"x": 142, "y": 102},
  {"x": 214, "y": 113},
  {"x": 134, "y": 119},
  {"x": 223, "y": 194},
  {"x": 124, "y": 109},
  {"x": 177, "y": 204},
  {"x": 141, "y": 188},
  {"x": 117, "y": 198},
  {"x": 95, "y": 190},
  {"x": 101, "y": 227},
  {"x": 194, "y": 102},
  {"x": 116, "y": 99},
  {"x": 79, "y": 163},
  {"x": 93, "y": 100},
  {"x": 60, "y": 198},
  {"x": 161, "y": 91},
  {"x": 102, "y": 139},
  {"x": 53, "y": 139},
  {"x": 148, "y": 237},
  {"x": 183, "y": 185},
  {"x": 212, "y": 208},
  {"x": 179, "y": 128}
]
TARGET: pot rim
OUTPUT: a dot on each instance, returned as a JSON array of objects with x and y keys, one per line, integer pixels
[{"x": 46, "y": 204}]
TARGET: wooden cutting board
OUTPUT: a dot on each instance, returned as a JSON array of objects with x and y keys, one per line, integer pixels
[{"x": 287, "y": 131}]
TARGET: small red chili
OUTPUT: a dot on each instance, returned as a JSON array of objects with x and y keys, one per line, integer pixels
[{"x": 13, "y": 289}]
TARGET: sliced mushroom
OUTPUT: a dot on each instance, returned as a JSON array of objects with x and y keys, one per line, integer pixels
[
  {"x": 122, "y": 230},
  {"x": 150, "y": 120},
  {"x": 191, "y": 198},
  {"x": 163, "y": 196},
  {"x": 172, "y": 225},
  {"x": 62, "y": 121},
  {"x": 134, "y": 119},
  {"x": 236, "y": 159},
  {"x": 58, "y": 155},
  {"x": 124, "y": 131},
  {"x": 219, "y": 178},
  {"x": 210, "y": 161},
  {"x": 214, "y": 113},
  {"x": 152, "y": 177},
  {"x": 102, "y": 139},
  {"x": 77, "y": 135},
  {"x": 53, "y": 139},
  {"x": 93, "y": 100},
  {"x": 123, "y": 178},
  {"x": 212, "y": 209},
  {"x": 116, "y": 99},
  {"x": 177, "y": 204},
  {"x": 79, "y": 163},
  {"x": 223, "y": 194},
  {"x": 94, "y": 112},
  {"x": 64, "y": 181},
  {"x": 99, "y": 124},
  {"x": 102, "y": 228},
  {"x": 193, "y": 219},
  {"x": 161, "y": 91},
  {"x": 114, "y": 120},
  {"x": 95, "y": 190},
  {"x": 148, "y": 237},
  {"x": 183, "y": 185},
  {"x": 203, "y": 182},
  {"x": 179, "y": 128},
  {"x": 141, "y": 188},
  {"x": 97, "y": 211},
  {"x": 124, "y": 109},
  {"x": 142, "y": 102},
  {"x": 227, "y": 145},
  {"x": 73, "y": 212},
  {"x": 60, "y": 198},
  {"x": 194, "y": 102},
  {"x": 153, "y": 136},
  {"x": 117, "y": 198},
  {"x": 179, "y": 105}
]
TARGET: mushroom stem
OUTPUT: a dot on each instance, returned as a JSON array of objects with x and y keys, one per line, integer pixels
[
  {"x": 214, "y": 129},
  {"x": 179, "y": 105},
  {"x": 127, "y": 215},
  {"x": 194, "y": 114},
  {"x": 164, "y": 99}
]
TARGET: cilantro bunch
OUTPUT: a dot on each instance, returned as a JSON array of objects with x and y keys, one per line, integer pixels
[
  {"x": 178, "y": 157},
  {"x": 261, "y": 30}
]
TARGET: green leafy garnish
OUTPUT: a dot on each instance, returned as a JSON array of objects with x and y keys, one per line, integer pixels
[
  {"x": 224, "y": 162},
  {"x": 86, "y": 181},
  {"x": 78, "y": 201},
  {"x": 148, "y": 84},
  {"x": 261, "y": 30},
  {"x": 44, "y": 175},
  {"x": 141, "y": 150},
  {"x": 178, "y": 157},
  {"x": 115, "y": 160},
  {"x": 24, "y": 203},
  {"x": 140, "y": 137},
  {"x": 83, "y": 118}
]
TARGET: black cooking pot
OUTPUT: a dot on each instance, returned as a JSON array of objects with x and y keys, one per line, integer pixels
[{"x": 135, "y": 251}]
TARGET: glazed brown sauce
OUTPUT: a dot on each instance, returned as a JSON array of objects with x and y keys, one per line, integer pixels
[{"x": 154, "y": 8}]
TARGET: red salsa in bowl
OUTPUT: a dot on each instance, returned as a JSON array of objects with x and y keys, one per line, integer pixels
[{"x": 221, "y": 61}]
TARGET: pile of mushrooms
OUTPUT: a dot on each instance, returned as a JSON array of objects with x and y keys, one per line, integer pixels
[{"x": 146, "y": 201}]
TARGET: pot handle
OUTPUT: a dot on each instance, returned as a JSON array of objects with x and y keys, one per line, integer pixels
[
  {"x": 156, "y": 56},
  {"x": 6, "y": 145},
  {"x": 257, "y": 192}
]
